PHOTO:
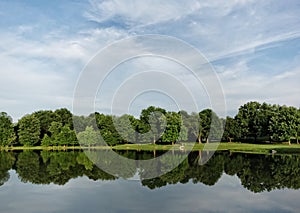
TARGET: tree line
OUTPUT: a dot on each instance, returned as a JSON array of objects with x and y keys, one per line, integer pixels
[{"x": 254, "y": 122}]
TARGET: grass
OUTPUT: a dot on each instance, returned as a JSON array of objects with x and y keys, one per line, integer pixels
[{"x": 232, "y": 147}]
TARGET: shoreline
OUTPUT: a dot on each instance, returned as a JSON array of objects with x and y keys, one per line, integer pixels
[{"x": 232, "y": 147}]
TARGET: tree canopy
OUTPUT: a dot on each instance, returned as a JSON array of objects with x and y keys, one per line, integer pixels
[{"x": 254, "y": 122}]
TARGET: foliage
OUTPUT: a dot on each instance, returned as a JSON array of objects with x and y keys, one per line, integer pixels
[
  {"x": 7, "y": 134},
  {"x": 89, "y": 137},
  {"x": 254, "y": 123},
  {"x": 29, "y": 130}
]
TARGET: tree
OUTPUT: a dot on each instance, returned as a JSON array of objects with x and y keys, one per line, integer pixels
[
  {"x": 284, "y": 124},
  {"x": 173, "y": 128},
  {"x": 107, "y": 129},
  {"x": 210, "y": 125},
  {"x": 65, "y": 117},
  {"x": 124, "y": 127},
  {"x": 7, "y": 134},
  {"x": 154, "y": 123},
  {"x": 232, "y": 130},
  {"x": 89, "y": 137},
  {"x": 248, "y": 119},
  {"x": 45, "y": 117},
  {"x": 192, "y": 123},
  {"x": 29, "y": 130},
  {"x": 46, "y": 141},
  {"x": 66, "y": 136}
]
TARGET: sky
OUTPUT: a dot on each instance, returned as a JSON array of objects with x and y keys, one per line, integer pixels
[{"x": 253, "y": 47}]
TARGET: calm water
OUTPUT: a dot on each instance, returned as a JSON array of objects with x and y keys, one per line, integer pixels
[{"x": 69, "y": 182}]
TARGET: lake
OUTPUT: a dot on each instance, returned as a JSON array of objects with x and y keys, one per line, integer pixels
[{"x": 48, "y": 181}]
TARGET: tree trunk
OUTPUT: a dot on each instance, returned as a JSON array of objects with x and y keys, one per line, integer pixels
[
  {"x": 199, "y": 139},
  {"x": 289, "y": 141},
  {"x": 207, "y": 140},
  {"x": 229, "y": 139},
  {"x": 172, "y": 143}
]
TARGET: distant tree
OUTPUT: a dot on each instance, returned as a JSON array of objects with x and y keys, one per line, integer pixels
[
  {"x": 29, "y": 130},
  {"x": 7, "y": 134}
]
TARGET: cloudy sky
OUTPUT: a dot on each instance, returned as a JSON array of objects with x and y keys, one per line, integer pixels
[{"x": 253, "y": 46}]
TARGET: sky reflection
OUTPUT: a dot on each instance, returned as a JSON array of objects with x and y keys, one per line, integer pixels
[{"x": 84, "y": 195}]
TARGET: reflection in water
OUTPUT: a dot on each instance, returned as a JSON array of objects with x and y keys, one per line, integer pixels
[{"x": 257, "y": 173}]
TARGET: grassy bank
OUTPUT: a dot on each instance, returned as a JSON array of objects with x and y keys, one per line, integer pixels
[{"x": 232, "y": 147}]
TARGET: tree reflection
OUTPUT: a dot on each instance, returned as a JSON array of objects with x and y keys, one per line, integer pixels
[
  {"x": 7, "y": 160},
  {"x": 257, "y": 173}
]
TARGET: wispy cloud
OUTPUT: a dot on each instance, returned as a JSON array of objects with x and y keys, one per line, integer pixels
[{"x": 252, "y": 45}]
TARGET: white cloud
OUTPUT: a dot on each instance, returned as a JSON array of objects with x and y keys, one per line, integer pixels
[
  {"x": 249, "y": 86},
  {"x": 142, "y": 13},
  {"x": 41, "y": 70},
  {"x": 39, "y": 74}
]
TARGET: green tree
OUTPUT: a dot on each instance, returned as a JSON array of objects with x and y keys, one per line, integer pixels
[
  {"x": 154, "y": 123},
  {"x": 89, "y": 137},
  {"x": 7, "y": 134},
  {"x": 45, "y": 117},
  {"x": 29, "y": 130},
  {"x": 210, "y": 125},
  {"x": 194, "y": 129},
  {"x": 173, "y": 128},
  {"x": 65, "y": 117},
  {"x": 284, "y": 124},
  {"x": 47, "y": 141},
  {"x": 66, "y": 136},
  {"x": 124, "y": 127},
  {"x": 107, "y": 129},
  {"x": 232, "y": 130},
  {"x": 248, "y": 119}
]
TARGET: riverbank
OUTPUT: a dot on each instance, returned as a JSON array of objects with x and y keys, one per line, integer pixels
[{"x": 232, "y": 147}]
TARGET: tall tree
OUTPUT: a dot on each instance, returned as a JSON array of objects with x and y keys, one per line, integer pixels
[
  {"x": 171, "y": 134},
  {"x": 7, "y": 134},
  {"x": 29, "y": 130},
  {"x": 248, "y": 119},
  {"x": 284, "y": 124},
  {"x": 210, "y": 125},
  {"x": 192, "y": 123},
  {"x": 45, "y": 117},
  {"x": 232, "y": 130},
  {"x": 154, "y": 121}
]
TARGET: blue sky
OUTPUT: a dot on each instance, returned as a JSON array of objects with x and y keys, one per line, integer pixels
[{"x": 254, "y": 46}]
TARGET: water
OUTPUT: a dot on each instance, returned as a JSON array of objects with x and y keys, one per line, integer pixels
[{"x": 229, "y": 182}]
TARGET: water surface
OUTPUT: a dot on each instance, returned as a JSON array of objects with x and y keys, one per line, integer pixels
[{"x": 228, "y": 182}]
